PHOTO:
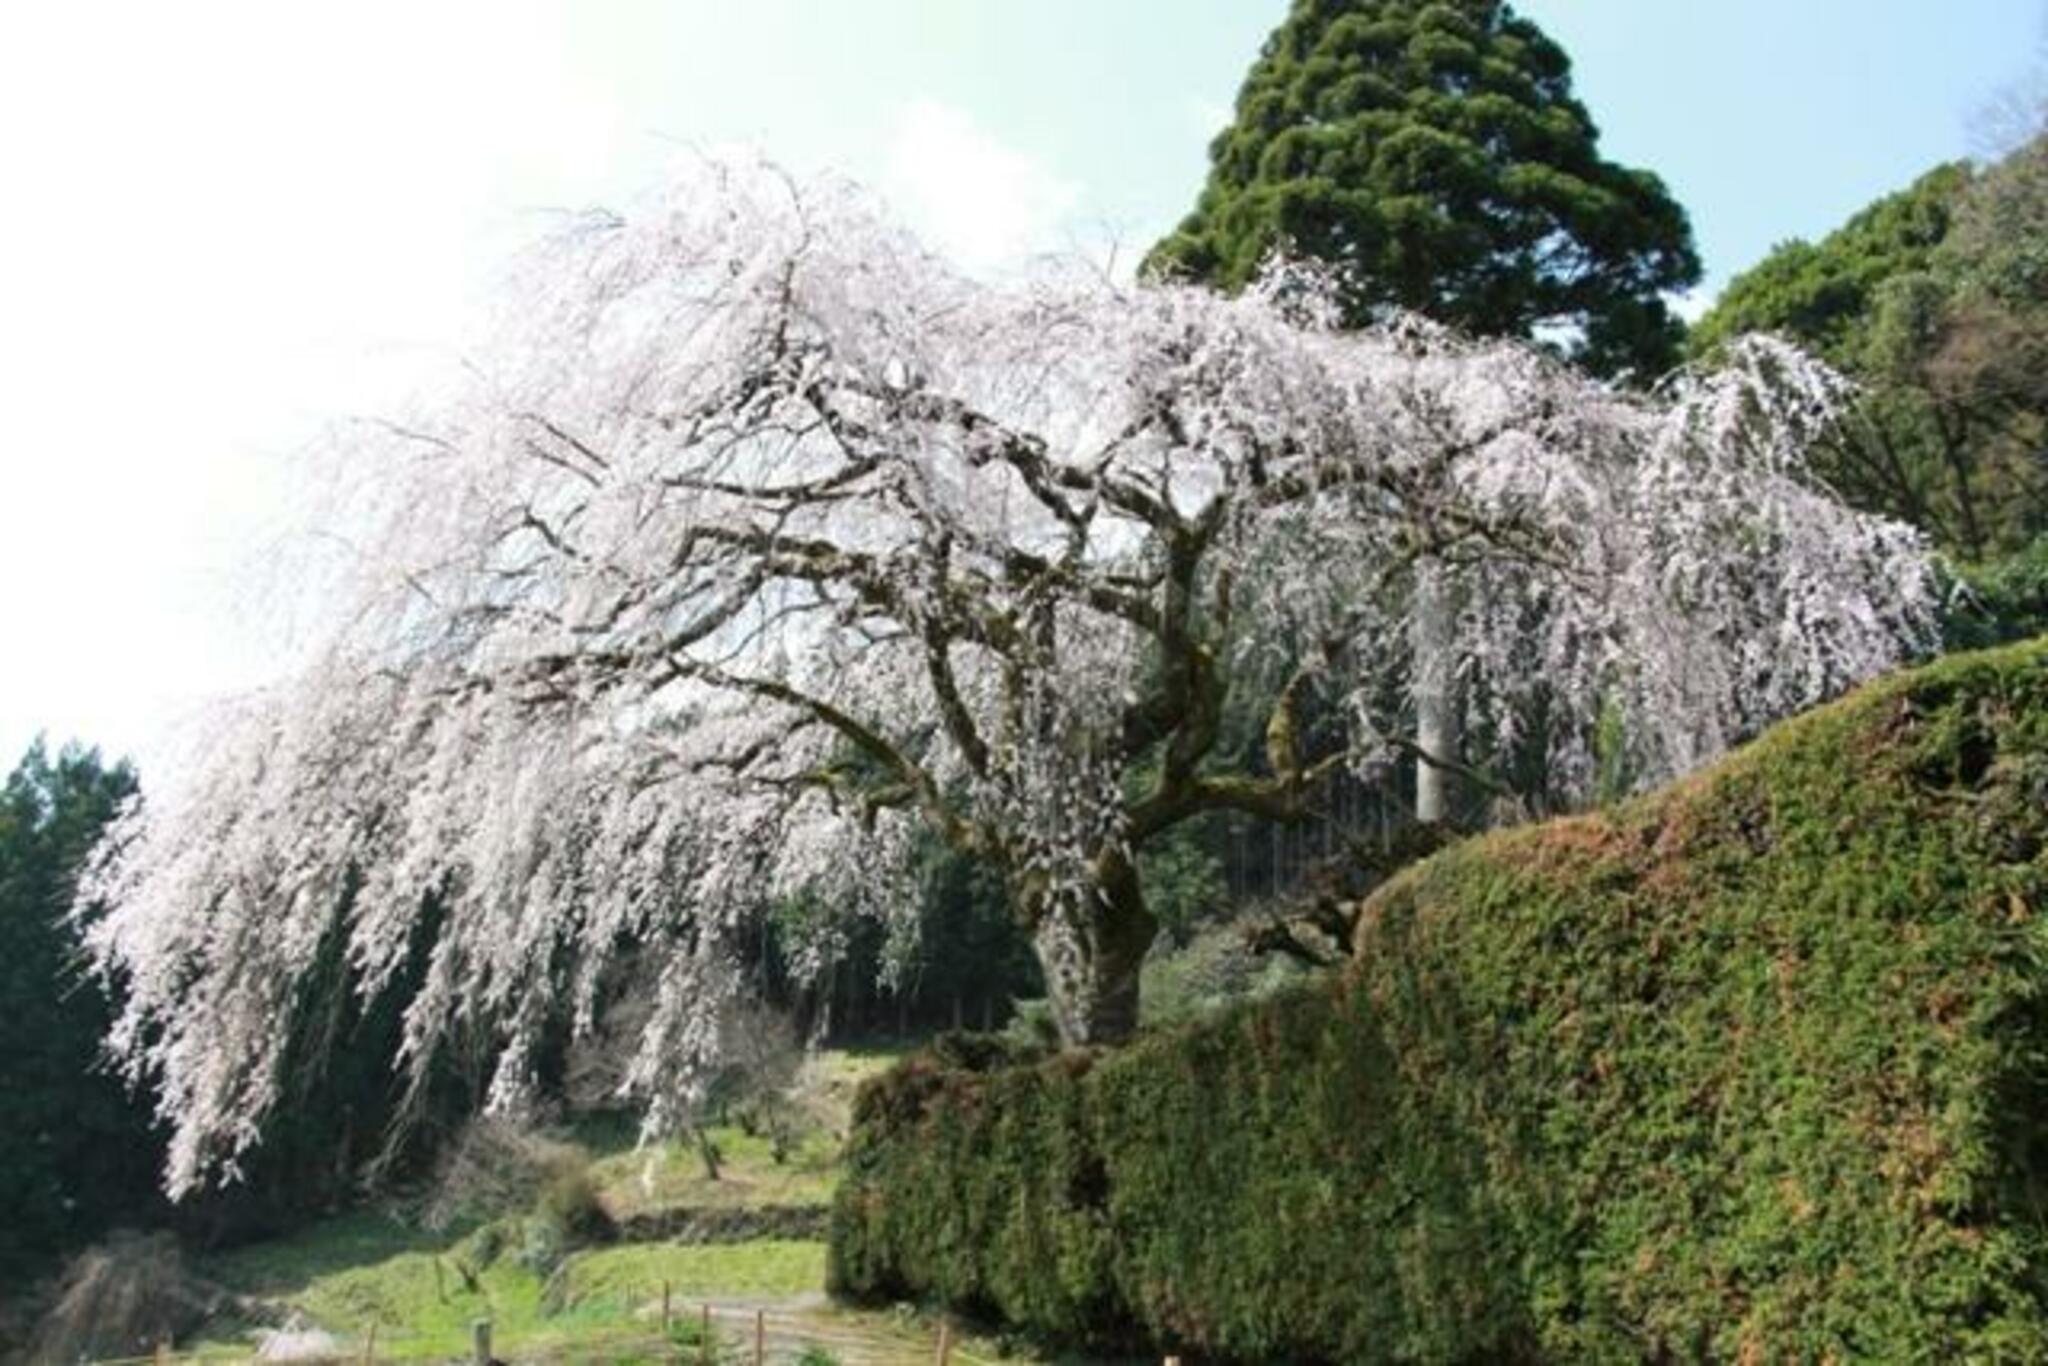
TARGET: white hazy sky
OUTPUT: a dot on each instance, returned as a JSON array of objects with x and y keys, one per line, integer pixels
[{"x": 226, "y": 221}]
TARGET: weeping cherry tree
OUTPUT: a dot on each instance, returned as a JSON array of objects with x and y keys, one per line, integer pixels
[{"x": 760, "y": 541}]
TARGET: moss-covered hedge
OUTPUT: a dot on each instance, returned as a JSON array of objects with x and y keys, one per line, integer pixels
[{"x": 1749, "y": 1070}]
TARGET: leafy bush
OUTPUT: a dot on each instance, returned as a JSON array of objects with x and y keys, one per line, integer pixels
[
  {"x": 1751, "y": 1069},
  {"x": 692, "y": 1343},
  {"x": 1184, "y": 880},
  {"x": 1214, "y": 969},
  {"x": 120, "y": 1298},
  {"x": 1032, "y": 1029},
  {"x": 543, "y": 1246},
  {"x": 567, "y": 1216},
  {"x": 488, "y": 1243},
  {"x": 570, "y": 1202},
  {"x": 495, "y": 1168},
  {"x": 2002, "y": 600}
]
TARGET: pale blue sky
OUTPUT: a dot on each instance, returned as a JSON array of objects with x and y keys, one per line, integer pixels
[
  {"x": 1779, "y": 118},
  {"x": 1768, "y": 117},
  {"x": 232, "y": 218}
]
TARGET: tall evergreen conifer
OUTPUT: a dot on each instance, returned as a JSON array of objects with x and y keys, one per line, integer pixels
[{"x": 1434, "y": 148}]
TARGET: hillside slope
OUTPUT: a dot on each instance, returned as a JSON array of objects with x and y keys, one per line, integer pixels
[{"x": 1750, "y": 1069}]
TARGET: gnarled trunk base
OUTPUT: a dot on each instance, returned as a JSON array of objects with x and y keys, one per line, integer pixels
[{"x": 1092, "y": 955}]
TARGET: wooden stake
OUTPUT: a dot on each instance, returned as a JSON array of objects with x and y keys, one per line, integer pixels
[
  {"x": 480, "y": 1342},
  {"x": 945, "y": 1342},
  {"x": 370, "y": 1345},
  {"x": 665, "y": 1319},
  {"x": 760, "y": 1337},
  {"x": 704, "y": 1340}
]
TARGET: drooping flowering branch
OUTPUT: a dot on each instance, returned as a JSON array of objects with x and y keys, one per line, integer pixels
[{"x": 762, "y": 541}]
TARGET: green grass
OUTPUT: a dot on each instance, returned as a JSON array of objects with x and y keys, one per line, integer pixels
[
  {"x": 348, "y": 1273},
  {"x": 361, "y": 1238},
  {"x": 604, "y": 1307},
  {"x": 670, "y": 1176},
  {"x": 764, "y": 1270},
  {"x": 851, "y": 1066},
  {"x": 633, "y": 1180}
]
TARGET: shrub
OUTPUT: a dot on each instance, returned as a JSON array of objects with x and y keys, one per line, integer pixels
[
  {"x": 495, "y": 1168},
  {"x": 1217, "y": 967},
  {"x": 120, "y": 1298},
  {"x": 570, "y": 1202},
  {"x": 567, "y": 1216},
  {"x": 1752, "y": 1069},
  {"x": 2002, "y": 600},
  {"x": 687, "y": 1336},
  {"x": 1032, "y": 1029},
  {"x": 488, "y": 1243},
  {"x": 543, "y": 1246}
]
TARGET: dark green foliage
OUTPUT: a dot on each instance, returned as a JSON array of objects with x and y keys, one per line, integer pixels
[
  {"x": 1751, "y": 1069},
  {"x": 567, "y": 1216},
  {"x": 970, "y": 950},
  {"x": 1434, "y": 148},
  {"x": 1826, "y": 296},
  {"x": 967, "y": 962},
  {"x": 347, "y": 1120},
  {"x": 689, "y": 1339},
  {"x": 1228, "y": 961},
  {"x": 1932, "y": 298},
  {"x": 1184, "y": 879},
  {"x": 570, "y": 1201},
  {"x": 2003, "y": 600},
  {"x": 77, "y": 1153}
]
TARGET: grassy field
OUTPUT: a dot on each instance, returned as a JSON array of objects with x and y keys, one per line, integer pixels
[
  {"x": 421, "y": 1295},
  {"x": 363, "y": 1272},
  {"x": 671, "y": 1176},
  {"x": 420, "y": 1291},
  {"x": 635, "y": 1180}
]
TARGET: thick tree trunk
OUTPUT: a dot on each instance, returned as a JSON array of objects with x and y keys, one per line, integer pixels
[
  {"x": 1092, "y": 957},
  {"x": 1436, "y": 695}
]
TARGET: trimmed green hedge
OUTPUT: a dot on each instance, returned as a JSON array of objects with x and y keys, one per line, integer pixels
[{"x": 1752, "y": 1069}]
